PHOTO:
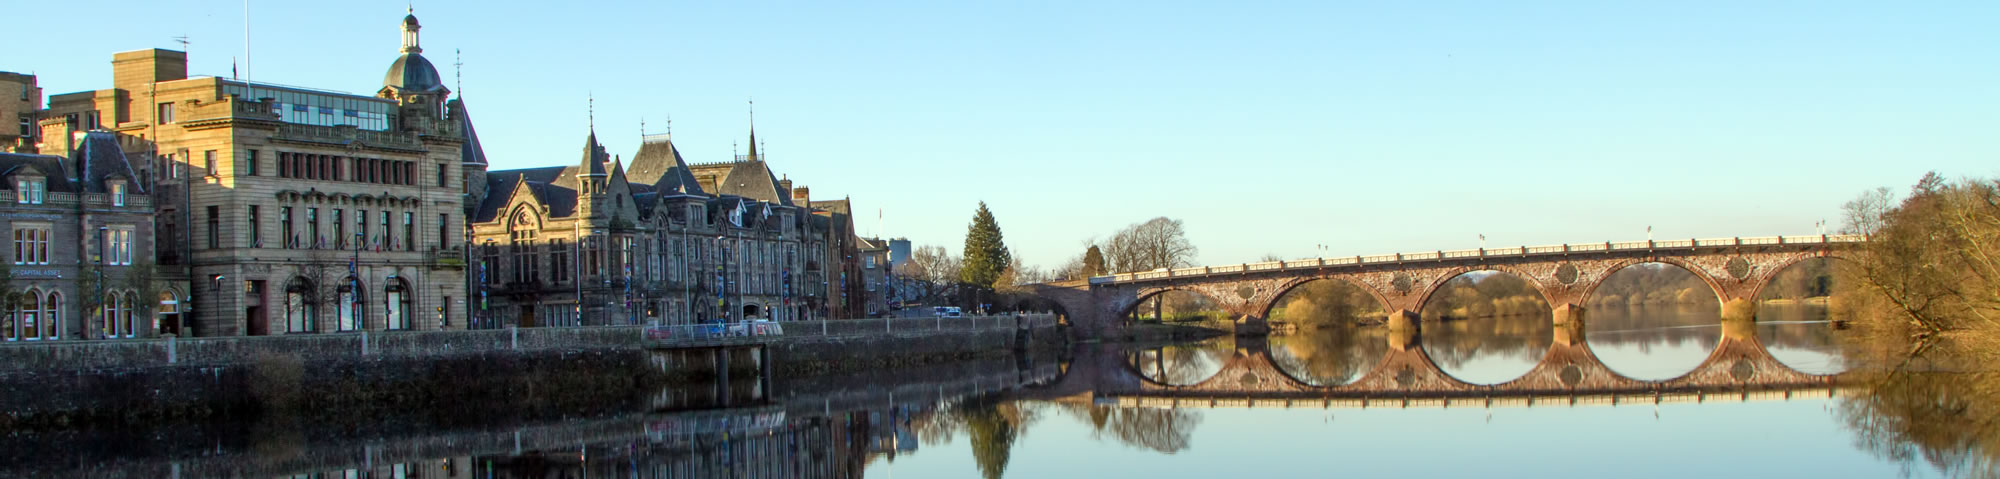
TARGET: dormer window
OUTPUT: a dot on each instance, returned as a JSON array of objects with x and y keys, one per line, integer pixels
[
  {"x": 29, "y": 191},
  {"x": 118, "y": 193}
]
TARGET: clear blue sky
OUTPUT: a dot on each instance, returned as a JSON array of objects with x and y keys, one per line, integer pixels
[{"x": 1267, "y": 127}]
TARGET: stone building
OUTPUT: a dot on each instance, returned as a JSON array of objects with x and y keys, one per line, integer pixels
[
  {"x": 20, "y": 102},
  {"x": 81, "y": 224},
  {"x": 663, "y": 242},
  {"x": 294, "y": 210}
]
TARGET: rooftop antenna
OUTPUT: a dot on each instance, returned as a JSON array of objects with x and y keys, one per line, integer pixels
[
  {"x": 457, "y": 70},
  {"x": 670, "y": 125},
  {"x": 642, "y": 127},
  {"x": 592, "y": 98}
]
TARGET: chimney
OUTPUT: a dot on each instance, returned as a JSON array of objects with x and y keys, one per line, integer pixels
[
  {"x": 130, "y": 70},
  {"x": 57, "y": 138},
  {"x": 801, "y": 196},
  {"x": 785, "y": 185}
]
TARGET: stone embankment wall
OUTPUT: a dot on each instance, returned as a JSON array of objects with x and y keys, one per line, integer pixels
[{"x": 506, "y": 372}]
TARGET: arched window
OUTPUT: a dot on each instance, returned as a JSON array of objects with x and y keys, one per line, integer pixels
[
  {"x": 127, "y": 314},
  {"x": 353, "y": 312},
  {"x": 52, "y": 316},
  {"x": 29, "y": 309},
  {"x": 397, "y": 300},
  {"x": 107, "y": 315},
  {"x": 301, "y": 307}
]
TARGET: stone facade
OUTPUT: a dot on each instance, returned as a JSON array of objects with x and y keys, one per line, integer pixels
[
  {"x": 662, "y": 242},
  {"x": 291, "y": 210},
  {"x": 20, "y": 103},
  {"x": 81, "y": 226}
]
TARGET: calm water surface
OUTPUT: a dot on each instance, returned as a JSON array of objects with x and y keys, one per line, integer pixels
[{"x": 1112, "y": 411}]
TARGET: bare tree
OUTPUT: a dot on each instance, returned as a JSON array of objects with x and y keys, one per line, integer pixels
[
  {"x": 1864, "y": 214},
  {"x": 1157, "y": 243},
  {"x": 931, "y": 268}
]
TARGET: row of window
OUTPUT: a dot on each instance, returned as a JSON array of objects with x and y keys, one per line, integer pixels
[
  {"x": 301, "y": 313},
  {"x": 33, "y": 191},
  {"x": 296, "y": 232},
  {"x": 39, "y": 315},
  {"x": 31, "y": 244},
  {"x": 756, "y": 263},
  {"x": 341, "y": 168}
]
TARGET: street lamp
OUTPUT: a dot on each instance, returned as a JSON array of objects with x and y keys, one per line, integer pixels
[{"x": 354, "y": 283}]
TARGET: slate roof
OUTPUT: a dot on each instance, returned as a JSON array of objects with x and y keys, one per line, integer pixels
[
  {"x": 554, "y": 186},
  {"x": 753, "y": 179},
  {"x": 659, "y": 166},
  {"x": 100, "y": 157},
  {"x": 472, "y": 152},
  {"x": 54, "y": 167},
  {"x": 412, "y": 73}
]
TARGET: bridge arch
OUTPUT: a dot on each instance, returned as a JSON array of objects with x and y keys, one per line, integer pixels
[
  {"x": 1832, "y": 259},
  {"x": 1543, "y": 290},
  {"x": 1264, "y": 310},
  {"x": 1146, "y": 296},
  {"x": 1715, "y": 287}
]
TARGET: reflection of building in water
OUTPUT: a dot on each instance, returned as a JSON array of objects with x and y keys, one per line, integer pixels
[{"x": 806, "y": 448}]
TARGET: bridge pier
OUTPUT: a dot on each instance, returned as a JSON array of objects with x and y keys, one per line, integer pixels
[
  {"x": 1252, "y": 325},
  {"x": 1402, "y": 319},
  {"x": 1568, "y": 313},
  {"x": 1570, "y": 333},
  {"x": 1739, "y": 309}
]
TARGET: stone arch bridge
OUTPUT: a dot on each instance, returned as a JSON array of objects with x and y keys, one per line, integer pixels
[{"x": 1565, "y": 275}]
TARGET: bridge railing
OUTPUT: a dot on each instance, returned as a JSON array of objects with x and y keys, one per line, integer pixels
[
  {"x": 751, "y": 331},
  {"x": 1479, "y": 253}
]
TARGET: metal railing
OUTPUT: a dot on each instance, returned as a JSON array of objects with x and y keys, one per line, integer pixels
[
  {"x": 1512, "y": 251},
  {"x": 763, "y": 331}
]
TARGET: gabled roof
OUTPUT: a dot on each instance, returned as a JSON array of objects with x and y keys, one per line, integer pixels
[
  {"x": 51, "y": 167},
  {"x": 554, "y": 186},
  {"x": 841, "y": 206},
  {"x": 659, "y": 166}
]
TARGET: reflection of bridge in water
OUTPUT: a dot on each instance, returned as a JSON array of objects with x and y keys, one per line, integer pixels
[{"x": 1739, "y": 368}]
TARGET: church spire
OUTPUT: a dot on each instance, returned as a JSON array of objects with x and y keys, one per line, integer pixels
[{"x": 753, "y": 130}]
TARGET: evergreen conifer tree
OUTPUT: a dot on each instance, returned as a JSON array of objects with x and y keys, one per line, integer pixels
[
  {"x": 985, "y": 251},
  {"x": 1093, "y": 262}
]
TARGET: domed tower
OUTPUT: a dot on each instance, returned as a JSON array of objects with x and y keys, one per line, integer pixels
[{"x": 413, "y": 82}]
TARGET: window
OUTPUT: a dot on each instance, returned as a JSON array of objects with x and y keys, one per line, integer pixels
[
  {"x": 300, "y": 309},
  {"x": 339, "y": 231},
  {"x": 441, "y": 172},
  {"x": 409, "y": 231},
  {"x": 361, "y": 229},
  {"x": 208, "y": 162},
  {"x": 871, "y": 262},
  {"x": 30, "y": 191},
  {"x": 285, "y": 233},
  {"x": 118, "y": 194},
  {"x": 558, "y": 261},
  {"x": 525, "y": 267},
  {"x": 256, "y": 232},
  {"x": 31, "y": 244},
  {"x": 444, "y": 230},
  {"x": 251, "y": 166},
  {"x": 398, "y": 304},
  {"x": 166, "y": 113},
  {"x": 352, "y": 309},
  {"x": 312, "y": 228},
  {"x": 117, "y": 319},
  {"x": 388, "y": 235},
  {"x": 214, "y": 227},
  {"x": 285, "y": 168},
  {"x": 118, "y": 246},
  {"x": 52, "y": 315}
]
